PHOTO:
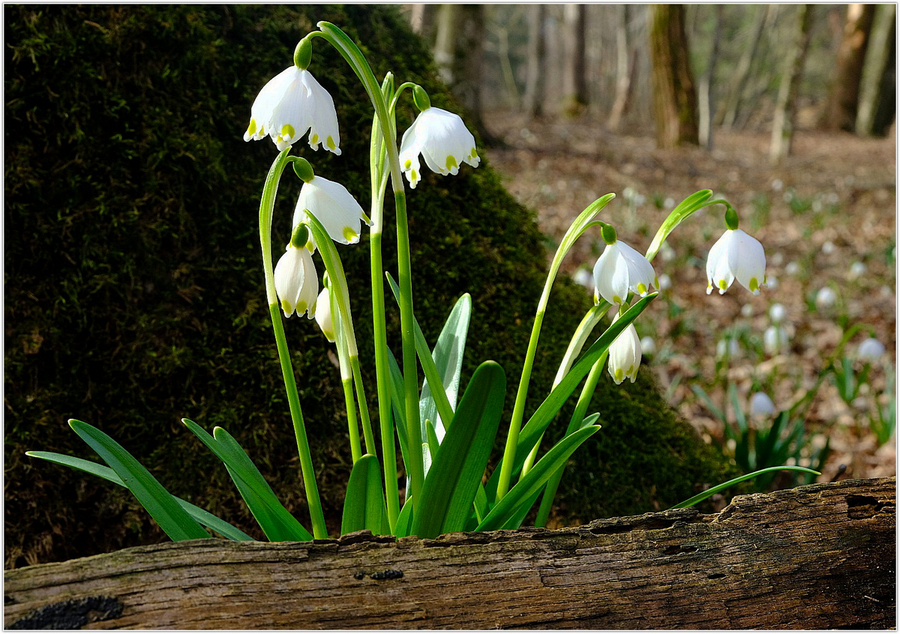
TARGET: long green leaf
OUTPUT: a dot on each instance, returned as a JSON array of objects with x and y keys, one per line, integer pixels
[
  {"x": 527, "y": 488},
  {"x": 721, "y": 487},
  {"x": 204, "y": 517},
  {"x": 158, "y": 502},
  {"x": 682, "y": 211},
  {"x": 453, "y": 479},
  {"x": 533, "y": 430},
  {"x": 404, "y": 520},
  {"x": 276, "y": 522},
  {"x": 364, "y": 505}
]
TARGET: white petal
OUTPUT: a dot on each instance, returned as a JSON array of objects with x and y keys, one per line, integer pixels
[
  {"x": 323, "y": 315},
  {"x": 749, "y": 262},
  {"x": 625, "y": 355},
  {"x": 323, "y": 117},
  {"x": 610, "y": 288},
  {"x": 333, "y": 206},
  {"x": 717, "y": 267},
  {"x": 443, "y": 141},
  {"x": 296, "y": 282},
  {"x": 641, "y": 275}
]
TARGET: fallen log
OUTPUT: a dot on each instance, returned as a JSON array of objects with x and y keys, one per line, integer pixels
[{"x": 816, "y": 557}]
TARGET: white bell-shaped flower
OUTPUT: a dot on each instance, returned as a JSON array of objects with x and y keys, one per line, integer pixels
[
  {"x": 871, "y": 349},
  {"x": 620, "y": 269},
  {"x": 442, "y": 139},
  {"x": 333, "y": 206},
  {"x": 296, "y": 282},
  {"x": 625, "y": 355},
  {"x": 323, "y": 314},
  {"x": 761, "y": 405},
  {"x": 290, "y": 105},
  {"x": 739, "y": 256}
]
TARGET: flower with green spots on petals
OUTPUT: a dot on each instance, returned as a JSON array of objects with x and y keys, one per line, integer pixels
[
  {"x": 323, "y": 314},
  {"x": 333, "y": 206},
  {"x": 620, "y": 269},
  {"x": 625, "y": 355},
  {"x": 296, "y": 282},
  {"x": 442, "y": 139},
  {"x": 290, "y": 105},
  {"x": 736, "y": 255}
]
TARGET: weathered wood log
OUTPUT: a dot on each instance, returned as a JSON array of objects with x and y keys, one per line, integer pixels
[{"x": 818, "y": 556}]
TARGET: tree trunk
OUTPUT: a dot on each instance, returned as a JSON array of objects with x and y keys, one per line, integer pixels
[
  {"x": 674, "y": 96},
  {"x": 843, "y": 100},
  {"x": 786, "y": 104},
  {"x": 422, "y": 21},
  {"x": 626, "y": 66},
  {"x": 739, "y": 79},
  {"x": 879, "y": 60},
  {"x": 821, "y": 556},
  {"x": 575, "y": 100},
  {"x": 706, "y": 99},
  {"x": 537, "y": 52},
  {"x": 446, "y": 26},
  {"x": 886, "y": 113}
]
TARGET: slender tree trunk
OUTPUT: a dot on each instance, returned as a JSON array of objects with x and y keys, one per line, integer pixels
[
  {"x": 575, "y": 101},
  {"x": 878, "y": 60},
  {"x": 886, "y": 113},
  {"x": 843, "y": 100},
  {"x": 422, "y": 21},
  {"x": 706, "y": 100},
  {"x": 446, "y": 25},
  {"x": 537, "y": 52},
  {"x": 626, "y": 65},
  {"x": 739, "y": 79},
  {"x": 674, "y": 95},
  {"x": 785, "y": 107}
]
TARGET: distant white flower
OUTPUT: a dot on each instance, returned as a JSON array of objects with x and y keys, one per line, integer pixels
[
  {"x": 747, "y": 310},
  {"x": 290, "y": 105},
  {"x": 323, "y": 314},
  {"x": 296, "y": 282},
  {"x": 775, "y": 338},
  {"x": 777, "y": 185},
  {"x": 857, "y": 270},
  {"x": 665, "y": 282},
  {"x": 792, "y": 268},
  {"x": 825, "y": 297},
  {"x": 333, "y": 206},
  {"x": 727, "y": 348},
  {"x": 669, "y": 203},
  {"x": 828, "y": 247},
  {"x": 771, "y": 282},
  {"x": 761, "y": 405},
  {"x": 648, "y": 345},
  {"x": 666, "y": 252},
  {"x": 625, "y": 355},
  {"x": 583, "y": 277},
  {"x": 620, "y": 269},
  {"x": 736, "y": 255},
  {"x": 777, "y": 313},
  {"x": 443, "y": 141},
  {"x": 871, "y": 349}
]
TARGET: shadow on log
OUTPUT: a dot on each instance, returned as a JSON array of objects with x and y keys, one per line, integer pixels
[{"x": 816, "y": 557}]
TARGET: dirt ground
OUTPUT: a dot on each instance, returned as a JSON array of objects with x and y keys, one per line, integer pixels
[{"x": 830, "y": 205}]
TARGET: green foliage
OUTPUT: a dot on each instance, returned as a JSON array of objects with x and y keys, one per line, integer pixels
[{"x": 134, "y": 288}]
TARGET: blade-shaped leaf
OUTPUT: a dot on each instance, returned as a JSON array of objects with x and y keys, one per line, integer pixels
[
  {"x": 364, "y": 505},
  {"x": 527, "y": 488},
  {"x": 685, "y": 208},
  {"x": 158, "y": 502},
  {"x": 456, "y": 473},
  {"x": 721, "y": 487},
  {"x": 276, "y": 522},
  {"x": 404, "y": 520},
  {"x": 204, "y": 517}
]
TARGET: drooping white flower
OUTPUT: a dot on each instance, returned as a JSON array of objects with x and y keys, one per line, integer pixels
[
  {"x": 323, "y": 314},
  {"x": 296, "y": 282},
  {"x": 442, "y": 139},
  {"x": 620, "y": 269},
  {"x": 739, "y": 256},
  {"x": 777, "y": 313},
  {"x": 857, "y": 270},
  {"x": 290, "y": 105},
  {"x": 727, "y": 348},
  {"x": 825, "y": 298},
  {"x": 333, "y": 206},
  {"x": 648, "y": 346},
  {"x": 625, "y": 355},
  {"x": 761, "y": 405},
  {"x": 871, "y": 349},
  {"x": 775, "y": 339}
]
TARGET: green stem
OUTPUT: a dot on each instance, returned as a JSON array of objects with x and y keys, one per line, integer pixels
[
  {"x": 363, "y": 408},
  {"x": 266, "y": 209},
  {"x": 346, "y": 378}
]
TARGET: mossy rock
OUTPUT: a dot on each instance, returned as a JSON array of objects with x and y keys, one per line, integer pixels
[{"x": 134, "y": 288}]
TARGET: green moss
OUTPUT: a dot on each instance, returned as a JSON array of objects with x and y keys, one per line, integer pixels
[{"x": 134, "y": 288}]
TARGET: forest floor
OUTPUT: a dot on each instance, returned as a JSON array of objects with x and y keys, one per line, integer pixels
[{"x": 830, "y": 205}]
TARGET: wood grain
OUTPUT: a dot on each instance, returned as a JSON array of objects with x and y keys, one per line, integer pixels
[{"x": 819, "y": 556}]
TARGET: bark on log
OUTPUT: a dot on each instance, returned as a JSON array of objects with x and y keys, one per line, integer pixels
[{"x": 819, "y": 556}]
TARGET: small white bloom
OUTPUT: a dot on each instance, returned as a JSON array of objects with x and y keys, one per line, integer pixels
[
  {"x": 828, "y": 247},
  {"x": 443, "y": 141},
  {"x": 296, "y": 282},
  {"x": 665, "y": 282},
  {"x": 871, "y": 349},
  {"x": 774, "y": 339},
  {"x": 625, "y": 355},
  {"x": 761, "y": 405},
  {"x": 825, "y": 297},
  {"x": 648, "y": 345},
  {"x": 620, "y": 269},
  {"x": 747, "y": 310},
  {"x": 777, "y": 313},
  {"x": 333, "y": 206},
  {"x": 323, "y": 314},
  {"x": 290, "y": 105},
  {"x": 727, "y": 348},
  {"x": 771, "y": 282},
  {"x": 857, "y": 270},
  {"x": 792, "y": 268},
  {"x": 736, "y": 255},
  {"x": 583, "y": 277},
  {"x": 777, "y": 185},
  {"x": 666, "y": 252}
]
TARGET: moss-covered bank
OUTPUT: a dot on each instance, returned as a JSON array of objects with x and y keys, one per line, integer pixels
[{"x": 134, "y": 292}]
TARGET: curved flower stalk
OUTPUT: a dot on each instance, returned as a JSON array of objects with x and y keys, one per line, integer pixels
[
  {"x": 621, "y": 269},
  {"x": 440, "y": 137}
]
